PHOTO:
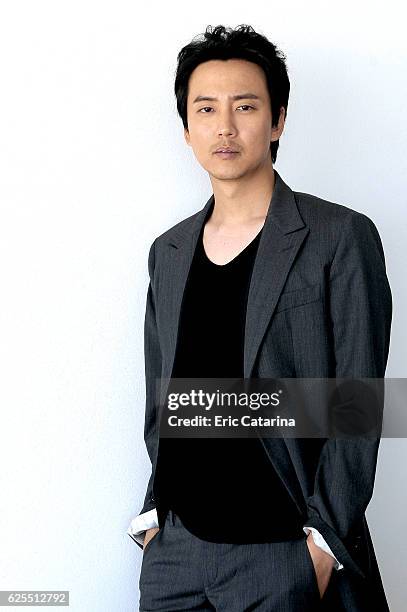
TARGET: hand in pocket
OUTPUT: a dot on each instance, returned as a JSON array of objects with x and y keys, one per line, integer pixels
[{"x": 150, "y": 533}]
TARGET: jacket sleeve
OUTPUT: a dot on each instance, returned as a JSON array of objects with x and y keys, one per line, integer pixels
[
  {"x": 153, "y": 365},
  {"x": 360, "y": 311}
]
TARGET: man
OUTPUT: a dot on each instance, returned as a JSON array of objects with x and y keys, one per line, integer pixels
[{"x": 263, "y": 282}]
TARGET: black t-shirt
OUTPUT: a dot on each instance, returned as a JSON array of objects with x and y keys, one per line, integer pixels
[{"x": 223, "y": 489}]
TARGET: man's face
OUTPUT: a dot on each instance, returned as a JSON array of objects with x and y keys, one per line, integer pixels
[{"x": 243, "y": 124}]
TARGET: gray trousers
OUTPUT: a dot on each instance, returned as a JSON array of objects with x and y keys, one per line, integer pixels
[{"x": 181, "y": 572}]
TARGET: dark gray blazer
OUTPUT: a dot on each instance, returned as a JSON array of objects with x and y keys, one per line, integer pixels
[{"x": 319, "y": 305}]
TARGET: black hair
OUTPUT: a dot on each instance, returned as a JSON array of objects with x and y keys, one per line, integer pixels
[{"x": 243, "y": 42}]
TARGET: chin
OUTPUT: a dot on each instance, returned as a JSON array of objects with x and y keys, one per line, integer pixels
[
  {"x": 227, "y": 176},
  {"x": 226, "y": 172}
]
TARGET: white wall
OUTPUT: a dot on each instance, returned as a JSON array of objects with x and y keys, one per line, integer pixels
[{"x": 93, "y": 167}]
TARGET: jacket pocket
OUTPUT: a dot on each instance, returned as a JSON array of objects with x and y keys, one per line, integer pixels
[{"x": 298, "y": 297}]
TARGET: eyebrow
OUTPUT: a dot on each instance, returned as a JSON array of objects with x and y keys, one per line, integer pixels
[{"x": 243, "y": 96}]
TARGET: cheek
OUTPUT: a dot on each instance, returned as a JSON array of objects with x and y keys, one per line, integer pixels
[
  {"x": 257, "y": 135},
  {"x": 206, "y": 134},
  {"x": 202, "y": 140},
  {"x": 200, "y": 129}
]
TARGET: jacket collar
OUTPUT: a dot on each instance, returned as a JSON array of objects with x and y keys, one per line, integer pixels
[{"x": 282, "y": 212}]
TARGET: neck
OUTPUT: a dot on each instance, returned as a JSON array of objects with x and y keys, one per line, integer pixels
[{"x": 242, "y": 202}]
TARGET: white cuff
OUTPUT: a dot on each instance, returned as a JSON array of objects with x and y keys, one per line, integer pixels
[
  {"x": 319, "y": 541},
  {"x": 141, "y": 523}
]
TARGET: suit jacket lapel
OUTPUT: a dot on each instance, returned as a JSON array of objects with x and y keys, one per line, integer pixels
[
  {"x": 176, "y": 266},
  {"x": 283, "y": 233}
]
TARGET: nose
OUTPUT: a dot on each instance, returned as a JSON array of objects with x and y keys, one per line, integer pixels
[
  {"x": 226, "y": 132},
  {"x": 226, "y": 126}
]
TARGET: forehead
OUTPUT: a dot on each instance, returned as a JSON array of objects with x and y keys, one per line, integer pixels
[{"x": 216, "y": 77}]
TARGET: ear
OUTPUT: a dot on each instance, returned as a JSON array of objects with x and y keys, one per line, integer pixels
[
  {"x": 187, "y": 137},
  {"x": 277, "y": 130}
]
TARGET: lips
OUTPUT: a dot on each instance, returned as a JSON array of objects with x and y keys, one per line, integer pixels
[
  {"x": 225, "y": 150},
  {"x": 226, "y": 154}
]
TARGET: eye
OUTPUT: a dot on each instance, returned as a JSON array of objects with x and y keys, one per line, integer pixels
[{"x": 241, "y": 106}]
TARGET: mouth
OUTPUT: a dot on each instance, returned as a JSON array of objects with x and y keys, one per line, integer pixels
[{"x": 226, "y": 154}]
